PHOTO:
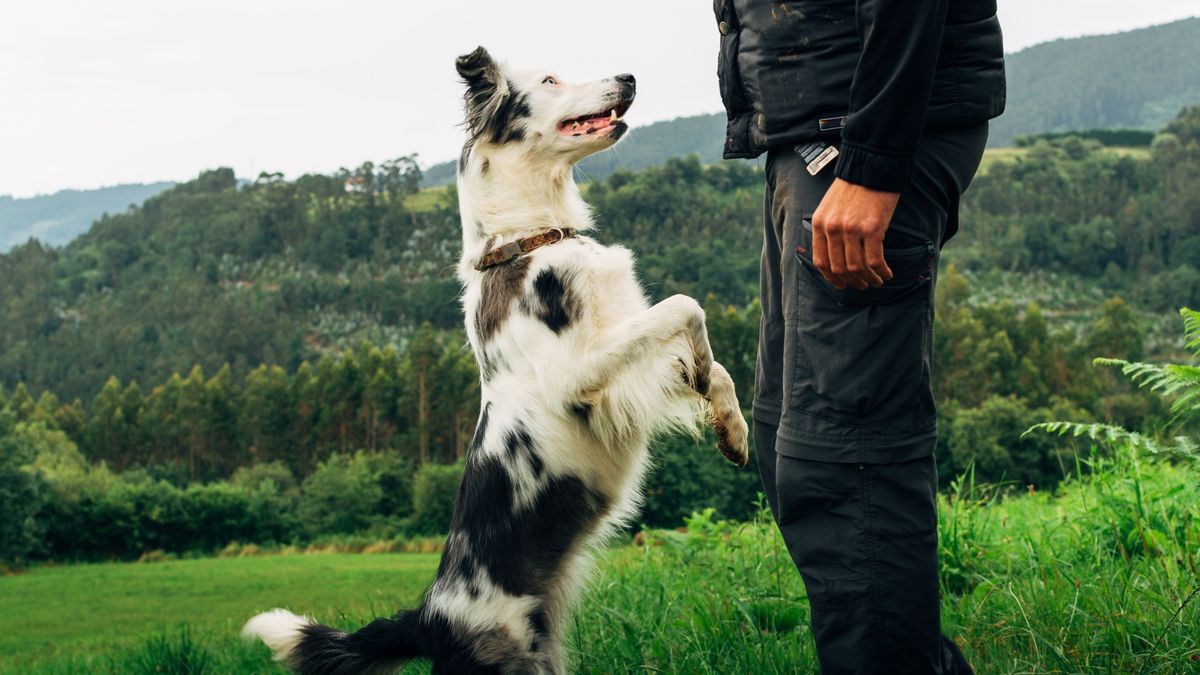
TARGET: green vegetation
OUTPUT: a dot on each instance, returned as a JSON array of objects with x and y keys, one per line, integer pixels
[
  {"x": 1099, "y": 577},
  {"x": 1070, "y": 206},
  {"x": 1102, "y": 574},
  {"x": 995, "y": 156},
  {"x": 1178, "y": 381},
  {"x": 1110, "y": 138}
]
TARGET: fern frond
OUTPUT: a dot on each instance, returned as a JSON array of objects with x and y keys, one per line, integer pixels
[
  {"x": 1187, "y": 383},
  {"x": 1145, "y": 375},
  {"x": 1164, "y": 380},
  {"x": 1191, "y": 330},
  {"x": 1114, "y": 436}
]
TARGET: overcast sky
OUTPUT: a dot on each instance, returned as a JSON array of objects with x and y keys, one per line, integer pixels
[{"x": 119, "y": 91}]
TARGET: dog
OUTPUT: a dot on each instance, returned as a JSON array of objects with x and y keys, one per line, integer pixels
[{"x": 578, "y": 373}]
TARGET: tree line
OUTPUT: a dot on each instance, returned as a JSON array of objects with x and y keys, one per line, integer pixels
[{"x": 420, "y": 404}]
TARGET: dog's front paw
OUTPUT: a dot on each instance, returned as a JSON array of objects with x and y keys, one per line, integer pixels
[
  {"x": 727, "y": 420},
  {"x": 732, "y": 433}
]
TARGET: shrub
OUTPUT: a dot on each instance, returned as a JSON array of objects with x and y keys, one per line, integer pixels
[
  {"x": 21, "y": 493},
  {"x": 218, "y": 513},
  {"x": 395, "y": 483},
  {"x": 434, "y": 489},
  {"x": 988, "y": 439},
  {"x": 341, "y": 496},
  {"x": 275, "y": 472},
  {"x": 96, "y": 515}
]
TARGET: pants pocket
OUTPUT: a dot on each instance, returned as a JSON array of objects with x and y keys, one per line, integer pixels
[{"x": 862, "y": 357}]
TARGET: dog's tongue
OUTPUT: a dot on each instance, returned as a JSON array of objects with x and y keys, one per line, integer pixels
[{"x": 587, "y": 126}]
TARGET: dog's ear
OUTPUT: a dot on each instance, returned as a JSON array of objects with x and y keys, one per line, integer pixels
[
  {"x": 486, "y": 88},
  {"x": 478, "y": 69}
]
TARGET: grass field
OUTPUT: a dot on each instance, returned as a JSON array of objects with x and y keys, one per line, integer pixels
[
  {"x": 995, "y": 155},
  {"x": 427, "y": 199},
  {"x": 1101, "y": 578},
  {"x": 54, "y": 613}
]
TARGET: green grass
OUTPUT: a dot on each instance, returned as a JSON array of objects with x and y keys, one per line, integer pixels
[
  {"x": 55, "y": 613},
  {"x": 995, "y": 155},
  {"x": 427, "y": 199},
  {"x": 1099, "y": 578}
]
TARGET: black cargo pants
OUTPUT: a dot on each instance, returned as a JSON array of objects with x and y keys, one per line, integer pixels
[{"x": 844, "y": 419}]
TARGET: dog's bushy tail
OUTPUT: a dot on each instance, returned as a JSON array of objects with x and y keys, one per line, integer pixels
[{"x": 308, "y": 648}]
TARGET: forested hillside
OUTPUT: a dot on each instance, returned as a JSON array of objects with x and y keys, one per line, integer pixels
[
  {"x": 291, "y": 324},
  {"x": 1138, "y": 79}
]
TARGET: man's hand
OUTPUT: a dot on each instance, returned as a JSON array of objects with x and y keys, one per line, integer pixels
[{"x": 848, "y": 230}]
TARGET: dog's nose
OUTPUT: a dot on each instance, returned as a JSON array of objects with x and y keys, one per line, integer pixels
[{"x": 626, "y": 78}]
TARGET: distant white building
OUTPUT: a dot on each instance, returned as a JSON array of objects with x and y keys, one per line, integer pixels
[{"x": 356, "y": 184}]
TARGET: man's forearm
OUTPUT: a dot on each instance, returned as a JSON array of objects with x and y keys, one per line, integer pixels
[{"x": 901, "y": 41}]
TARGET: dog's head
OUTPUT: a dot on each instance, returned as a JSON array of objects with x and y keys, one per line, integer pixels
[{"x": 539, "y": 114}]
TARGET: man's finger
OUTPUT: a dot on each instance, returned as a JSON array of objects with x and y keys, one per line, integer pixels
[
  {"x": 836, "y": 252},
  {"x": 820, "y": 252},
  {"x": 858, "y": 273},
  {"x": 876, "y": 260}
]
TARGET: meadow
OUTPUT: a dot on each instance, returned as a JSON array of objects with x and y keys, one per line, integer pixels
[{"x": 1100, "y": 577}]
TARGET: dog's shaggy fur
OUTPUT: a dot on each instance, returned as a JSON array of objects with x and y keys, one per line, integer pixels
[{"x": 578, "y": 373}]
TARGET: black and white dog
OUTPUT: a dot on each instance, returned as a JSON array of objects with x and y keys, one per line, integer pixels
[{"x": 578, "y": 373}]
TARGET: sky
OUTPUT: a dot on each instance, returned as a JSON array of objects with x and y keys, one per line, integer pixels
[{"x": 124, "y": 91}]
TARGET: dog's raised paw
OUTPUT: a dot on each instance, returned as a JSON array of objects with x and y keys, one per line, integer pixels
[{"x": 732, "y": 436}]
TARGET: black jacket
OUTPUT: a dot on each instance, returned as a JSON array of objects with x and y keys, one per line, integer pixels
[{"x": 877, "y": 72}]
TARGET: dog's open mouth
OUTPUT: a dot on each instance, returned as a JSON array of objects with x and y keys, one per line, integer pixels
[{"x": 595, "y": 123}]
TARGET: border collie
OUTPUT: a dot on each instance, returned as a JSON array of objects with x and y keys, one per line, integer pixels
[{"x": 578, "y": 373}]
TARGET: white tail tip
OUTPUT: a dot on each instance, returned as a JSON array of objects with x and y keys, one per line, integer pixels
[{"x": 279, "y": 629}]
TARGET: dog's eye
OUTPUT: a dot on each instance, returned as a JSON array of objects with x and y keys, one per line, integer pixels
[{"x": 549, "y": 80}]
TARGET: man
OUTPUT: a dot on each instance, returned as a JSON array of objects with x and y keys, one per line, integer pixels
[{"x": 873, "y": 115}]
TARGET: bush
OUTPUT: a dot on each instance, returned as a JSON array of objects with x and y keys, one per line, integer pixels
[
  {"x": 275, "y": 472},
  {"x": 21, "y": 493},
  {"x": 97, "y": 515},
  {"x": 219, "y": 513},
  {"x": 395, "y": 483},
  {"x": 434, "y": 489},
  {"x": 341, "y": 496},
  {"x": 989, "y": 439}
]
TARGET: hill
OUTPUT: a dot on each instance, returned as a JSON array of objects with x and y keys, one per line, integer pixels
[
  {"x": 58, "y": 218},
  {"x": 1138, "y": 79}
]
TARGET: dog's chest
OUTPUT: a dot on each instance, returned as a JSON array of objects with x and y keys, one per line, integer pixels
[{"x": 615, "y": 286}]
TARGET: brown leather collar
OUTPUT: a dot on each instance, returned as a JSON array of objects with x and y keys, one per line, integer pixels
[{"x": 514, "y": 249}]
